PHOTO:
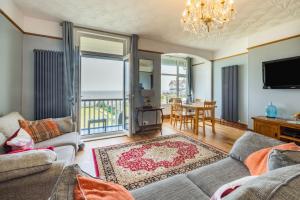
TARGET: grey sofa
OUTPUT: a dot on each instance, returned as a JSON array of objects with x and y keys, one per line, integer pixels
[
  {"x": 200, "y": 184},
  {"x": 34, "y": 174}
]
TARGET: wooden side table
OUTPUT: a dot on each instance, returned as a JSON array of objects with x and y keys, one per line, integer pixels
[{"x": 150, "y": 127}]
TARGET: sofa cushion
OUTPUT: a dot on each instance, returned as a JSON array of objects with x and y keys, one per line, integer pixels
[
  {"x": 9, "y": 123},
  {"x": 41, "y": 130},
  {"x": 176, "y": 188},
  {"x": 209, "y": 178},
  {"x": 283, "y": 158},
  {"x": 34, "y": 187},
  {"x": 249, "y": 143},
  {"x": 65, "y": 124},
  {"x": 62, "y": 140},
  {"x": 279, "y": 184},
  {"x": 25, "y": 163},
  {"x": 65, "y": 154}
]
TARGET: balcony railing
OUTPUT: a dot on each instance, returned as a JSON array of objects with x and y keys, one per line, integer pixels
[{"x": 101, "y": 115}]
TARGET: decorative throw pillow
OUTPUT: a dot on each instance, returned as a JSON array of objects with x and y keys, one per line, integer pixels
[
  {"x": 21, "y": 140},
  {"x": 230, "y": 187},
  {"x": 9, "y": 123},
  {"x": 93, "y": 189},
  {"x": 41, "y": 130},
  {"x": 257, "y": 162},
  {"x": 283, "y": 158},
  {"x": 65, "y": 124}
]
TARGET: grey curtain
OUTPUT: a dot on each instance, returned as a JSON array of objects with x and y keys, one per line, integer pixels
[
  {"x": 230, "y": 93},
  {"x": 48, "y": 82},
  {"x": 134, "y": 62},
  {"x": 69, "y": 68},
  {"x": 189, "y": 80}
]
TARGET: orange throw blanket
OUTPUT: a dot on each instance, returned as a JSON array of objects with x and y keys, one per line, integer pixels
[
  {"x": 257, "y": 162},
  {"x": 93, "y": 189}
]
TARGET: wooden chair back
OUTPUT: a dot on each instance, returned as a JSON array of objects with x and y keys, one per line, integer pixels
[
  {"x": 198, "y": 100},
  {"x": 209, "y": 113},
  {"x": 176, "y": 106}
]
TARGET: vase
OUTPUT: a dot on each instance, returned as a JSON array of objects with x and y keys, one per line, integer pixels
[{"x": 271, "y": 111}]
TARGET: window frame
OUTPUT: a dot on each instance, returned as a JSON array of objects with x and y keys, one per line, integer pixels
[{"x": 177, "y": 75}]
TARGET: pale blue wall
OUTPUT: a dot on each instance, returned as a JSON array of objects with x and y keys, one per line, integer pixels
[
  {"x": 288, "y": 101},
  {"x": 29, "y": 44},
  {"x": 10, "y": 67},
  {"x": 242, "y": 62},
  {"x": 252, "y": 97}
]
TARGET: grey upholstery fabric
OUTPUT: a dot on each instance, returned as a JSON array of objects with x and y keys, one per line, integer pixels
[
  {"x": 64, "y": 187},
  {"x": 280, "y": 184},
  {"x": 65, "y": 154},
  {"x": 174, "y": 188},
  {"x": 283, "y": 158},
  {"x": 249, "y": 143},
  {"x": 25, "y": 163},
  {"x": 211, "y": 177},
  {"x": 62, "y": 140},
  {"x": 34, "y": 187}
]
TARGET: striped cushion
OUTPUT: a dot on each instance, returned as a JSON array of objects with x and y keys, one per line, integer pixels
[{"x": 41, "y": 130}]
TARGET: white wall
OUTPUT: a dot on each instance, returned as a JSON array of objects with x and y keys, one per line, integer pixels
[
  {"x": 158, "y": 46},
  {"x": 202, "y": 78},
  {"x": 241, "y": 45}
]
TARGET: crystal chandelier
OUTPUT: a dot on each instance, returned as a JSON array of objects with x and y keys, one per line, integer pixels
[{"x": 201, "y": 16}]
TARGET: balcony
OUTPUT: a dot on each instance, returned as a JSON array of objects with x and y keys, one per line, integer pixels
[{"x": 101, "y": 116}]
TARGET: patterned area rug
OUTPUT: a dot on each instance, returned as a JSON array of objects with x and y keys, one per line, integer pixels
[{"x": 134, "y": 165}]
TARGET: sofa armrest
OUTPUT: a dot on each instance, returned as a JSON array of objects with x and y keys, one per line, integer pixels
[
  {"x": 249, "y": 143},
  {"x": 25, "y": 163},
  {"x": 36, "y": 186}
]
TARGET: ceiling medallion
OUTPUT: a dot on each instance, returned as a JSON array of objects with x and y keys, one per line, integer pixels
[{"x": 202, "y": 16}]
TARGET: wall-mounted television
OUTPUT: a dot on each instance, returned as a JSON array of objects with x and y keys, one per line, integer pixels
[{"x": 282, "y": 74}]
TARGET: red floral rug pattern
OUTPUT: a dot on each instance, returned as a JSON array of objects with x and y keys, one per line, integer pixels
[{"x": 136, "y": 164}]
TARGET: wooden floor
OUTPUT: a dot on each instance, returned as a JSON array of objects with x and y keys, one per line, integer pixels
[{"x": 223, "y": 139}]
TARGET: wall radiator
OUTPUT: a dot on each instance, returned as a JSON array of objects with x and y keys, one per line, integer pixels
[
  {"x": 230, "y": 93},
  {"x": 48, "y": 84}
]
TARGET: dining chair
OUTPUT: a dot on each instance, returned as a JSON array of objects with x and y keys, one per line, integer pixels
[
  {"x": 178, "y": 113},
  {"x": 208, "y": 115}
]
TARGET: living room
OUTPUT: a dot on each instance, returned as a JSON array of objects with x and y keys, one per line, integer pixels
[{"x": 149, "y": 99}]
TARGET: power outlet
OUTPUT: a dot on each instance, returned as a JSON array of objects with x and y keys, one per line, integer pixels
[{"x": 145, "y": 122}]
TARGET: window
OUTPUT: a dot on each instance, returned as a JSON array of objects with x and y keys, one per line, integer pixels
[{"x": 173, "y": 79}]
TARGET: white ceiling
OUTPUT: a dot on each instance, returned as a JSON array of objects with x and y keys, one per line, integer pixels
[{"x": 160, "y": 19}]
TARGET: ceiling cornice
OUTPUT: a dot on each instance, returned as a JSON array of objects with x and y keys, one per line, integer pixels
[{"x": 24, "y": 32}]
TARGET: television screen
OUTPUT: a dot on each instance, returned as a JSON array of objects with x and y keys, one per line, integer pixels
[{"x": 282, "y": 74}]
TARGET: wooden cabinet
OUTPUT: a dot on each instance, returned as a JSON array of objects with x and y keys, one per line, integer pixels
[
  {"x": 267, "y": 129},
  {"x": 277, "y": 128}
]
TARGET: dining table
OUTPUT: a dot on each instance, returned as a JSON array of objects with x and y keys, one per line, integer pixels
[{"x": 200, "y": 108}]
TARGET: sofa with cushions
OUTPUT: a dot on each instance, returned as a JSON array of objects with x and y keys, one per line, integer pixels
[
  {"x": 201, "y": 184},
  {"x": 33, "y": 174},
  {"x": 279, "y": 184}
]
